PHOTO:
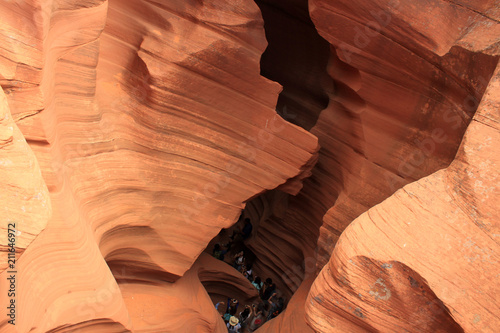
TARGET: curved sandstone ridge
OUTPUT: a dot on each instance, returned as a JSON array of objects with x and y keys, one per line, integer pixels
[
  {"x": 26, "y": 204},
  {"x": 152, "y": 127},
  {"x": 199, "y": 127},
  {"x": 398, "y": 113},
  {"x": 183, "y": 306},
  {"x": 132, "y": 132},
  {"x": 400, "y": 107},
  {"x": 448, "y": 218}
]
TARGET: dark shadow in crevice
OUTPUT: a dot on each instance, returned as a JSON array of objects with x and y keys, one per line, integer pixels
[{"x": 296, "y": 57}]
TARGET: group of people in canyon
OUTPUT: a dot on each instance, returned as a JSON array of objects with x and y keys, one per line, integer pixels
[
  {"x": 253, "y": 316},
  {"x": 270, "y": 302}
]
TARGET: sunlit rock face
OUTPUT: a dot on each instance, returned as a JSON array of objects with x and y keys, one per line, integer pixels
[
  {"x": 26, "y": 203},
  {"x": 152, "y": 126},
  {"x": 132, "y": 132}
]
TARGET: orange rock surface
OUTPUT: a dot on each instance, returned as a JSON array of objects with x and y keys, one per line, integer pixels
[
  {"x": 399, "y": 111},
  {"x": 26, "y": 204},
  {"x": 132, "y": 132},
  {"x": 426, "y": 259},
  {"x": 400, "y": 107},
  {"x": 184, "y": 305},
  {"x": 150, "y": 136}
]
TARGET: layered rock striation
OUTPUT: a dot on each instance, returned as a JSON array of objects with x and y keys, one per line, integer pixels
[
  {"x": 404, "y": 96},
  {"x": 429, "y": 256},
  {"x": 152, "y": 126},
  {"x": 132, "y": 132}
]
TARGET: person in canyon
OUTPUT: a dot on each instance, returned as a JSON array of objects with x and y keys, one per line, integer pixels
[
  {"x": 256, "y": 318},
  {"x": 275, "y": 306},
  {"x": 246, "y": 232},
  {"x": 219, "y": 252},
  {"x": 257, "y": 283},
  {"x": 245, "y": 316},
  {"x": 268, "y": 289},
  {"x": 233, "y": 326},
  {"x": 247, "y": 271},
  {"x": 239, "y": 260},
  {"x": 233, "y": 306}
]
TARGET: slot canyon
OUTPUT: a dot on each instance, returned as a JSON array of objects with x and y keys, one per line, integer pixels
[{"x": 359, "y": 137}]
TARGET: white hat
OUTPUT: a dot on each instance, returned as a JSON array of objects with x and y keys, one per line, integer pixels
[{"x": 233, "y": 321}]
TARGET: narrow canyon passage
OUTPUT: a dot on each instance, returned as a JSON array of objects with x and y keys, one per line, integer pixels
[
  {"x": 296, "y": 57},
  {"x": 360, "y": 138}
]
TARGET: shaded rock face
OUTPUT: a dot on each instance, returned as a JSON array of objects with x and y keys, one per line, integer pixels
[
  {"x": 420, "y": 95},
  {"x": 132, "y": 132},
  {"x": 400, "y": 107}
]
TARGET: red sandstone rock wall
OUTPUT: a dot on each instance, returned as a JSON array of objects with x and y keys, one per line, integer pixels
[
  {"x": 26, "y": 205},
  {"x": 401, "y": 104},
  {"x": 183, "y": 306},
  {"x": 398, "y": 110},
  {"x": 152, "y": 126},
  {"x": 404, "y": 95},
  {"x": 426, "y": 259}
]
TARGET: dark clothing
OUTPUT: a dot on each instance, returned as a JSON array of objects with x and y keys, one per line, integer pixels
[
  {"x": 244, "y": 315},
  {"x": 247, "y": 230},
  {"x": 232, "y": 307},
  {"x": 275, "y": 309},
  {"x": 219, "y": 254},
  {"x": 268, "y": 292}
]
